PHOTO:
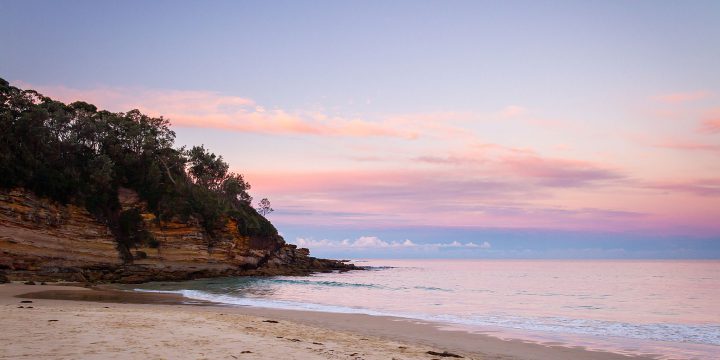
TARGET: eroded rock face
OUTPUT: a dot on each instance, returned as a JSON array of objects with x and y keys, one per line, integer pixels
[
  {"x": 38, "y": 237},
  {"x": 43, "y": 240}
]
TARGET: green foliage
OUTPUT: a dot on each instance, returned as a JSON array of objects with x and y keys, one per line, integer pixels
[
  {"x": 78, "y": 154},
  {"x": 206, "y": 169},
  {"x": 131, "y": 229},
  {"x": 234, "y": 188},
  {"x": 250, "y": 223}
]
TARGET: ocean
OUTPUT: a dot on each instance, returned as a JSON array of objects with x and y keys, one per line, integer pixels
[{"x": 670, "y": 308}]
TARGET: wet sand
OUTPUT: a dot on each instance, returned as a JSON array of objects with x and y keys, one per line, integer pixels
[{"x": 65, "y": 322}]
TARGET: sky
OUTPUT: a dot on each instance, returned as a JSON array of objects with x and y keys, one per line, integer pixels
[{"x": 419, "y": 129}]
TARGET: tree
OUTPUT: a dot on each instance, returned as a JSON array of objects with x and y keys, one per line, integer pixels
[
  {"x": 235, "y": 189},
  {"x": 264, "y": 207},
  {"x": 205, "y": 168}
]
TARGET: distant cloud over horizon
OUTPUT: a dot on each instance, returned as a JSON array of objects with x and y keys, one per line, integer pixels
[{"x": 369, "y": 242}]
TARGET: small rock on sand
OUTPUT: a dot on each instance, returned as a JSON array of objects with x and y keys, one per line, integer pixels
[{"x": 444, "y": 354}]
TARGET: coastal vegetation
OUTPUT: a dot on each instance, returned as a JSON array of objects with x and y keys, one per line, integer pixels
[{"x": 75, "y": 153}]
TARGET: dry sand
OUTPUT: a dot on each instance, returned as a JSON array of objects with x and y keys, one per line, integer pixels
[{"x": 106, "y": 324}]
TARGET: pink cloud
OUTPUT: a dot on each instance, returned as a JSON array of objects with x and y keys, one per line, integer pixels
[
  {"x": 282, "y": 122},
  {"x": 559, "y": 172},
  {"x": 208, "y": 109},
  {"x": 446, "y": 160},
  {"x": 431, "y": 198},
  {"x": 687, "y": 145},
  {"x": 512, "y": 111},
  {"x": 711, "y": 123},
  {"x": 442, "y": 125},
  {"x": 700, "y": 187},
  {"x": 439, "y": 198},
  {"x": 450, "y": 178},
  {"x": 682, "y": 97},
  {"x": 492, "y": 185},
  {"x": 526, "y": 164},
  {"x": 489, "y": 188}
]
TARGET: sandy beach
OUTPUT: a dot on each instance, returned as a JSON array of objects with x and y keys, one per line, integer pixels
[{"x": 62, "y": 322}]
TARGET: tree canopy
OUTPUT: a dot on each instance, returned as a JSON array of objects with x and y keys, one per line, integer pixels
[{"x": 75, "y": 153}]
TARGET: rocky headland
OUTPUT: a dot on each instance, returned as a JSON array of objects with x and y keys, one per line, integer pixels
[
  {"x": 42, "y": 240},
  {"x": 89, "y": 195}
]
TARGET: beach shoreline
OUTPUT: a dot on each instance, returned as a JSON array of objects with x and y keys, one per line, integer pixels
[{"x": 151, "y": 325}]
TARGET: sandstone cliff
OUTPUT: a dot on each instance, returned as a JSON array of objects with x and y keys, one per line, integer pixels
[{"x": 44, "y": 240}]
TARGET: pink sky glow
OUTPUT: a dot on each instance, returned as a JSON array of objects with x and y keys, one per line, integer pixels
[{"x": 514, "y": 166}]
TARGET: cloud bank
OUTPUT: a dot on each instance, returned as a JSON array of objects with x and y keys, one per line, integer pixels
[
  {"x": 500, "y": 167},
  {"x": 372, "y": 242}
]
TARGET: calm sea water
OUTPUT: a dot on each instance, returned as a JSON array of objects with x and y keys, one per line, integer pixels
[{"x": 670, "y": 308}]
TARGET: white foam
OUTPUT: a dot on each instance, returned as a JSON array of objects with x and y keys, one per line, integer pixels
[
  {"x": 700, "y": 334},
  {"x": 265, "y": 303},
  {"x": 629, "y": 339}
]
